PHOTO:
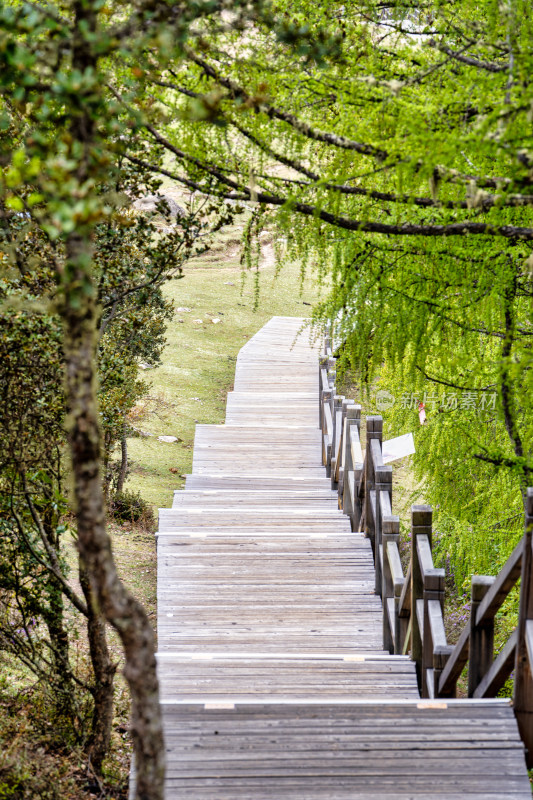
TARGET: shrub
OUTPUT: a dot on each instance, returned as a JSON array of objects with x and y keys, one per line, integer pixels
[{"x": 131, "y": 507}]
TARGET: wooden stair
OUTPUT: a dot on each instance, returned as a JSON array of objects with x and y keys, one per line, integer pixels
[{"x": 274, "y": 681}]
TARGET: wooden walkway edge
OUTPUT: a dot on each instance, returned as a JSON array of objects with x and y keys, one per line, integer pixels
[{"x": 274, "y": 681}]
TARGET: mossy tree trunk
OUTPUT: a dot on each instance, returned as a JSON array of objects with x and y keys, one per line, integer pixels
[{"x": 119, "y": 607}]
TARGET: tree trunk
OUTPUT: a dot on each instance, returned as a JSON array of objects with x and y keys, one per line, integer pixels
[
  {"x": 104, "y": 676},
  {"x": 123, "y": 462},
  {"x": 115, "y": 602},
  {"x": 63, "y": 682},
  {"x": 77, "y": 306},
  {"x": 55, "y": 622}
]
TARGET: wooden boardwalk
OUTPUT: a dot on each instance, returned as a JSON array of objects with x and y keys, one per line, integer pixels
[{"x": 273, "y": 678}]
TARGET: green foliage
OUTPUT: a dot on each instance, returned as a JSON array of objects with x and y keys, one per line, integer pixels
[
  {"x": 477, "y": 505},
  {"x": 400, "y": 168}
]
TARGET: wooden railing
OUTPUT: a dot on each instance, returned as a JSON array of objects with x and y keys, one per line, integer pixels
[{"x": 413, "y": 603}]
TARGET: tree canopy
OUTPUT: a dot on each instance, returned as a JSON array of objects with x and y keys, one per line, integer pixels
[{"x": 398, "y": 161}]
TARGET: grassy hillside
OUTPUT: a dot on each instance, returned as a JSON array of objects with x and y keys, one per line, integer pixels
[{"x": 199, "y": 360}]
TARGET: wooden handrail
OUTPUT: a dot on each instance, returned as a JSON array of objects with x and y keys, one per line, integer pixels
[
  {"x": 505, "y": 580},
  {"x": 348, "y": 407},
  {"x": 337, "y": 436},
  {"x": 456, "y": 664},
  {"x": 328, "y": 421},
  {"x": 413, "y": 619},
  {"x": 355, "y": 445},
  {"x": 398, "y": 580},
  {"x": 436, "y": 623},
  {"x": 529, "y": 640},
  {"x": 377, "y": 457},
  {"x": 425, "y": 558}
]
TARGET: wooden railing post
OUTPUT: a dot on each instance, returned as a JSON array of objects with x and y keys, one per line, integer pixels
[
  {"x": 391, "y": 588},
  {"x": 374, "y": 430},
  {"x": 523, "y": 685},
  {"x": 481, "y": 636},
  {"x": 421, "y": 524},
  {"x": 352, "y": 419},
  {"x": 322, "y": 365},
  {"x": 383, "y": 483},
  {"x": 337, "y": 427},
  {"x": 346, "y": 406}
]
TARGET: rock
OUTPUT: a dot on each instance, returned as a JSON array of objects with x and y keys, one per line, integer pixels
[
  {"x": 183, "y": 309},
  {"x": 199, "y": 321},
  {"x": 228, "y": 283},
  {"x": 216, "y": 320},
  {"x": 149, "y": 203},
  {"x": 144, "y": 365},
  {"x": 168, "y": 439}
]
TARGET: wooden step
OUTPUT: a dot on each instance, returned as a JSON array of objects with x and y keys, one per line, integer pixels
[
  {"x": 316, "y": 750},
  {"x": 257, "y": 676}
]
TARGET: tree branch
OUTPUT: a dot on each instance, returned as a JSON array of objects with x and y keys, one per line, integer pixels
[
  {"x": 364, "y": 226},
  {"x": 455, "y": 385},
  {"x": 238, "y": 93},
  {"x": 472, "y": 62},
  {"x": 53, "y": 567}
]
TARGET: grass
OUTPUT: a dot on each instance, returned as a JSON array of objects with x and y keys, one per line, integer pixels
[{"x": 198, "y": 363}]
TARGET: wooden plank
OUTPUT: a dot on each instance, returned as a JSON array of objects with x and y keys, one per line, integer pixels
[{"x": 456, "y": 663}]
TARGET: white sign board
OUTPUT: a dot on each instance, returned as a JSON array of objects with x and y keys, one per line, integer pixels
[{"x": 398, "y": 448}]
